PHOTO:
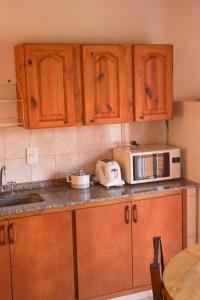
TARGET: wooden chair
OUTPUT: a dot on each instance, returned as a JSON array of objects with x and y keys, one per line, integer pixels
[{"x": 156, "y": 270}]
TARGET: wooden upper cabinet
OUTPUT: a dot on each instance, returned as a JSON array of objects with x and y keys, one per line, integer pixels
[
  {"x": 50, "y": 84},
  {"x": 107, "y": 84},
  {"x": 153, "y": 82},
  {"x": 5, "y": 276},
  {"x": 155, "y": 217},
  {"x": 42, "y": 257},
  {"x": 104, "y": 253}
]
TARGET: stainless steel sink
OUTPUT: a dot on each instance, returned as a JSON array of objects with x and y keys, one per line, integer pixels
[{"x": 20, "y": 199}]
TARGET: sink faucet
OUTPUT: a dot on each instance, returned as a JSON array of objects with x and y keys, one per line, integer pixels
[{"x": 2, "y": 170}]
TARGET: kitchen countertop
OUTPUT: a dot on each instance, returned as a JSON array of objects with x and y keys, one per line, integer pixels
[{"x": 58, "y": 194}]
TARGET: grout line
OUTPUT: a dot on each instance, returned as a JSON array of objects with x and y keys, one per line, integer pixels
[
  {"x": 100, "y": 142},
  {"x": 29, "y": 144},
  {"x": 54, "y": 150},
  {"x": 78, "y": 152},
  {"x": 121, "y": 134}
]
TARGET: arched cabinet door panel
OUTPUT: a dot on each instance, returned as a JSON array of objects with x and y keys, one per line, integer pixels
[
  {"x": 53, "y": 85},
  {"x": 107, "y": 84},
  {"x": 153, "y": 68}
]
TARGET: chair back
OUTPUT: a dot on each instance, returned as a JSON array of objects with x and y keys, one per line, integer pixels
[{"x": 156, "y": 270}]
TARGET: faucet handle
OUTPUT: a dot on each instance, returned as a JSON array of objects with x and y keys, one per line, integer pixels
[
  {"x": 2, "y": 172},
  {"x": 11, "y": 184}
]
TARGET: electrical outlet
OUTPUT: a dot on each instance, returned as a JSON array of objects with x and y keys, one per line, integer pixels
[{"x": 32, "y": 155}]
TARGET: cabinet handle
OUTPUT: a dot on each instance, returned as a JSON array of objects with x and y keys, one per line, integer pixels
[
  {"x": 141, "y": 117},
  {"x": 126, "y": 214},
  {"x": 3, "y": 235},
  {"x": 149, "y": 92},
  {"x": 130, "y": 103},
  {"x": 100, "y": 76},
  {"x": 33, "y": 102},
  {"x": 135, "y": 215},
  {"x": 30, "y": 62},
  {"x": 12, "y": 233},
  {"x": 109, "y": 108}
]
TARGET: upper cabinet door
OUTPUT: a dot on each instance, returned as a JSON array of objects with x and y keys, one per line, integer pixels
[
  {"x": 107, "y": 84},
  {"x": 153, "y": 68},
  {"x": 53, "y": 85}
]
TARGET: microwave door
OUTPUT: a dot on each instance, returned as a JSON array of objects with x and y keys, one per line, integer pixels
[
  {"x": 138, "y": 167},
  {"x": 163, "y": 165},
  {"x": 144, "y": 167},
  {"x": 160, "y": 165},
  {"x": 150, "y": 166}
]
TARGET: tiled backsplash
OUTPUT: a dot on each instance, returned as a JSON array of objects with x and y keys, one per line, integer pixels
[{"x": 63, "y": 149}]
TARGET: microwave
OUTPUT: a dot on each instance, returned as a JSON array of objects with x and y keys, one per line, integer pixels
[{"x": 140, "y": 164}]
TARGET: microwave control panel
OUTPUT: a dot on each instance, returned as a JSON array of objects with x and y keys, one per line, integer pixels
[{"x": 176, "y": 164}]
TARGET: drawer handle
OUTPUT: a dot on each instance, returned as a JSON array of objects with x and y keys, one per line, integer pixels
[
  {"x": 3, "y": 235},
  {"x": 126, "y": 215},
  {"x": 12, "y": 233},
  {"x": 135, "y": 214}
]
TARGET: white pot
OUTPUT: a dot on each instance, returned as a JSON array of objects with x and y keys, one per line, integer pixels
[{"x": 78, "y": 181}]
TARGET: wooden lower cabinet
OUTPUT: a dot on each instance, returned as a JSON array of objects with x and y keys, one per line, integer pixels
[
  {"x": 5, "y": 276},
  {"x": 115, "y": 243},
  {"x": 42, "y": 257},
  {"x": 38, "y": 255},
  {"x": 155, "y": 217},
  {"x": 104, "y": 252}
]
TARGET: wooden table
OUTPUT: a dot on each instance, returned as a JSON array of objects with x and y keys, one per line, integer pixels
[{"x": 182, "y": 275}]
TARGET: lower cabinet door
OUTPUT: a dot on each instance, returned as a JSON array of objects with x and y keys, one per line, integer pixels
[
  {"x": 104, "y": 255},
  {"x": 155, "y": 217},
  {"x": 42, "y": 257},
  {"x": 5, "y": 275}
]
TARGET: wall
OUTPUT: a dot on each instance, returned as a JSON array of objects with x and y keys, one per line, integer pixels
[
  {"x": 184, "y": 133},
  {"x": 107, "y": 21}
]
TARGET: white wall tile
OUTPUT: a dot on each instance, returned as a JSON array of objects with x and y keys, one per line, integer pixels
[
  {"x": 43, "y": 139},
  {"x": 16, "y": 142},
  {"x": 88, "y": 138},
  {"x": 65, "y": 163},
  {"x": 107, "y": 154},
  {"x": 88, "y": 160},
  {"x": 45, "y": 169},
  {"x": 149, "y": 132},
  {"x": 110, "y": 136},
  {"x": 17, "y": 170},
  {"x": 66, "y": 140}
]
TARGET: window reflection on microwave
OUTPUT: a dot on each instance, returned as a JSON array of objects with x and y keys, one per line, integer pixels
[{"x": 151, "y": 166}]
